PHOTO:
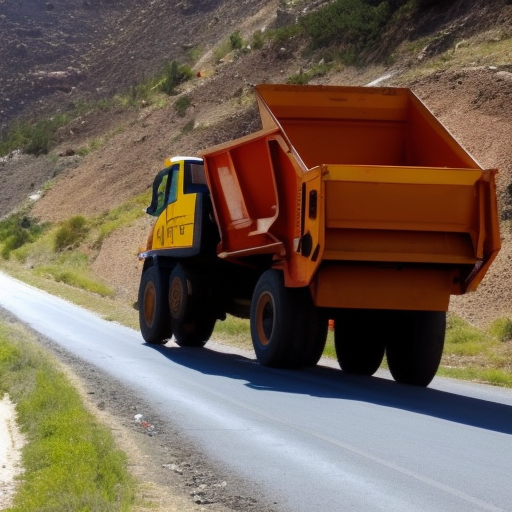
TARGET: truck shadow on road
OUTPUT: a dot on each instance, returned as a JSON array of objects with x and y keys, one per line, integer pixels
[{"x": 331, "y": 383}]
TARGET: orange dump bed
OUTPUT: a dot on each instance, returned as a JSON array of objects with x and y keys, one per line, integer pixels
[{"x": 359, "y": 193}]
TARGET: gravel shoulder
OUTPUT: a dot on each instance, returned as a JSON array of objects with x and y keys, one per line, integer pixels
[{"x": 174, "y": 476}]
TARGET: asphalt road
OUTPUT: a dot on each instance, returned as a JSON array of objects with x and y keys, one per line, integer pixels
[{"x": 314, "y": 440}]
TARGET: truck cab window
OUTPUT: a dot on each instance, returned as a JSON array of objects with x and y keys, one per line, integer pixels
[
  {"x": 195, "y": 178},
  {"x": 164, "y": 185},
  {"x": 172, "y": 184}
]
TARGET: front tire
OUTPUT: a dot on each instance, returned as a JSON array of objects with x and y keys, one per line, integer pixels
[
  {"x": 192, "y": 309},
  {"x": 414, "y": 352},
  {"x": 154, "y": 318}
]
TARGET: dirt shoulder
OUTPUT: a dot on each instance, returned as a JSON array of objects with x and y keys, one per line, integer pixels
[
  {"x": 11, "y": 443},
  {"x": 174, "y": 475}
]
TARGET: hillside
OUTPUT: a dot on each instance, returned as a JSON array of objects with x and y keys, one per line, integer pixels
[{"x": 456, "y": 56}]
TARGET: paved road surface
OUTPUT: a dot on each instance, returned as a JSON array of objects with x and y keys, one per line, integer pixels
[{"x": 315, "y": 440}]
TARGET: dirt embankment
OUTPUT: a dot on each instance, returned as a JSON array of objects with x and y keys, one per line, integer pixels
[{"x": 472, "y": 100}]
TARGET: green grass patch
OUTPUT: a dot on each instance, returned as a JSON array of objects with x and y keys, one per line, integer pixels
[
  {"x": 104, "y": 306},
  {"x": 58, "y": 253},
  {"x": 17, "y": 231},
  {"x": 121, "y": 216},
  {"x": 72, "y": 268},
  {"x": 491, "y": 376},
  {"x": 76, "y": 278},
  {"x": 330, "y": 349},
  {"x": 33, "y": 137},
  {"x": 501, "y": 329},
  {"x": 462, "y": 339},
  {"x": 70, "y": 461},
  {"x": 222, "y": 49},
  {"x": 67, "y": 273},
  {"x": 478, "y": 355},
  {"x": 71, "y": 233},
  {"x": 234, "y": 331}
]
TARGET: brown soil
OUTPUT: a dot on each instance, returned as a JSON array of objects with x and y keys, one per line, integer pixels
[{"x": 472, "y": 101}]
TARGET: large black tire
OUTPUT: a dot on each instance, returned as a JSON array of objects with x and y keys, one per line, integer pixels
[
  {"x": 359, "y": 341},
  {"x": 414, "y": 352},
  {"x": 192, "y": 308},
  {"x": 154, "y": 317},
  {"x": 274, "y": 322},
  {"x": 313, "y": 331}
]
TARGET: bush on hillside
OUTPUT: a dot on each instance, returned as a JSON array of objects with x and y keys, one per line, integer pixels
[
  {"x": 352, "y": 22},
  {"x": 34, "y": 138},
  {"x": 71, "y": 233},
  {"x": 16, "y": 231},
  {"x": 174, "y": 75},
  {"x": 236, "y": 41}
]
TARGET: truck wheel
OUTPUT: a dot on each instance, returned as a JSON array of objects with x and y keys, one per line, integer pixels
[
  {"x": 192, "y": 312},
  {"x": 273, "y": 322},
  {"x": 415, "y": 351},
  {"x": 154, "y": 319},
  {"x": 358, "y": 340},
  {"x": 314, "y": 331}
]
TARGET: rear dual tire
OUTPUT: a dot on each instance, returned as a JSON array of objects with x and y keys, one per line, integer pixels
[
  {"x": 415, "y": 351},
  {"x": 191, "y": 307},
  {"x": 287, "y": 330},
  {"x": 412, "y": 340},
  {"x": 359, "y": 341}
]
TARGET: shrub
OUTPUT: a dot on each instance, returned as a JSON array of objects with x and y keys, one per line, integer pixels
[
  {"x": 32, "y": 137},
  {"x": 351, "y": 22},
  {"x": 236, "y": 41},
  {"x": 181, "y": 105},
  {"x": 16, "y": 231},
  {"x": 301, "y": 78},
  {"x": 174, "y": 74},
  {"x": 258, "y": 40},
  {"x": 71, "y": 233}
]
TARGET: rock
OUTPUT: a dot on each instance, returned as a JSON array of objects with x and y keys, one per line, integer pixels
[{"x": 505, "y": 75}]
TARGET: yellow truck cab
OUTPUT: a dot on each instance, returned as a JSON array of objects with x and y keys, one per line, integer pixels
[{"x": 176, "y": 201}]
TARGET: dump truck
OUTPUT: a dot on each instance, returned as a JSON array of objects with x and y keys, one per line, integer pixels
[{"x": 350, "y": 204}]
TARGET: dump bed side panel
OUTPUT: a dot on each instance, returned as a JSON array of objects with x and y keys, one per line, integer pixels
[{"x": 244, "y": 195}]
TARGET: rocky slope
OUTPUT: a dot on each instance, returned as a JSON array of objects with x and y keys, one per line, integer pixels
[
  {"x": 107, "y": 46},
  {"x": 60, "y": 52}
]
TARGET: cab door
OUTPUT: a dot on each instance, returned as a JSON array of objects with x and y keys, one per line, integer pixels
[{"x": 175, "y": 226}]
